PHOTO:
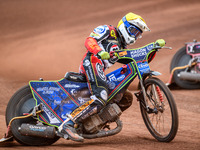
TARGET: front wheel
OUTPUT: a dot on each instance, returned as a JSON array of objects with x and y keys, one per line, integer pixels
[
  {"x": 22, "y": 102},
  {"x": 161, "y": 117}
]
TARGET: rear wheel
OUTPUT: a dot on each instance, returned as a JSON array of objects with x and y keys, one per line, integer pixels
[
  {"x": 162, "y": 117},
  {"x": 23, "y": 102}
]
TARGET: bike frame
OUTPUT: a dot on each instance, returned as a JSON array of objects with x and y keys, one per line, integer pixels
[{"x": 57, "y": 97}]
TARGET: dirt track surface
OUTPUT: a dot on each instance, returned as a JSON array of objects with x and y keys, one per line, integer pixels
[{"x": 46, "y": 39}]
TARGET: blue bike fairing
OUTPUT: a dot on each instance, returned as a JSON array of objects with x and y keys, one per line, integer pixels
[
  {"x": 143, "y": 67},
  {"x": 117, "y": 81},
  {"x": 139, "y": 54},
  {"x": 59, "y": 98}
]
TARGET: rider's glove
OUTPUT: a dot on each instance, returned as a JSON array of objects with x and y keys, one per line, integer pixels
[
  {"x": 104, "y": 55},
  {"x": 160, "y": 42}
]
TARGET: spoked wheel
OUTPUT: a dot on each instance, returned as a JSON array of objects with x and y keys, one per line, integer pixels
[
  {"x": 161, "y": 118},
  {"x": 20, "y": 104}
]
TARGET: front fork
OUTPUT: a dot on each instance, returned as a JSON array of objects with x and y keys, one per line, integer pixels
[{"x": 142, "y": 97}]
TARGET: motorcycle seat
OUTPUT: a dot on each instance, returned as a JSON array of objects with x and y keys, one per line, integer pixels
[{"x": 76, "y": 77}]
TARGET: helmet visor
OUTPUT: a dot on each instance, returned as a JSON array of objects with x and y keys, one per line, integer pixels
[{"x": 134, "y": 31}]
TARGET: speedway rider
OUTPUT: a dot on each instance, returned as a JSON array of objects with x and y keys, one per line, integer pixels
[{"x": 99, "y": 44}]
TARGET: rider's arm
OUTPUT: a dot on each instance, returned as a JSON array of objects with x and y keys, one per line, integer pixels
[
  {"x": 92, "y": 45},
  {"x": 99, "y": 34}
]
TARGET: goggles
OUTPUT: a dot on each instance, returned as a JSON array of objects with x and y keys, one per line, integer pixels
[{"x": 132, "y": 30}]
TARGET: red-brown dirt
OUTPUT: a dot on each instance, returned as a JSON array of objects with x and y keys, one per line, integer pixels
[{"x": 45, "y": 38}]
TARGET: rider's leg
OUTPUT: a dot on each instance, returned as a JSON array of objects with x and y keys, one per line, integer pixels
[{"x": 93, "y": 69}]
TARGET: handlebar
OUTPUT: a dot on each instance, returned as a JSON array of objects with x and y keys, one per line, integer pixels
[
  {"x": 114, "y": 53},
  {"x": 159, "y": 47}
]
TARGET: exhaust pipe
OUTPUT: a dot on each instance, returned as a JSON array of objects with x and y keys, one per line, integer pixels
[
  {"x": 189, "y": 76},
  {"x": 37, "y": 130}
]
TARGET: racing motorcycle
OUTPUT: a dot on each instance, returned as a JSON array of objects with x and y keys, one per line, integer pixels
[
  {"x": 36, "y": 113},
  {"x": 185, "y": 66}
]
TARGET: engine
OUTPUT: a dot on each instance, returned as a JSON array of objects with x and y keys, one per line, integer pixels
[{"x": 108, "y": 114}]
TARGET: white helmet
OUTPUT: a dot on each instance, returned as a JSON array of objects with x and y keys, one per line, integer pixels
[{"x": 131, "y": 26}]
